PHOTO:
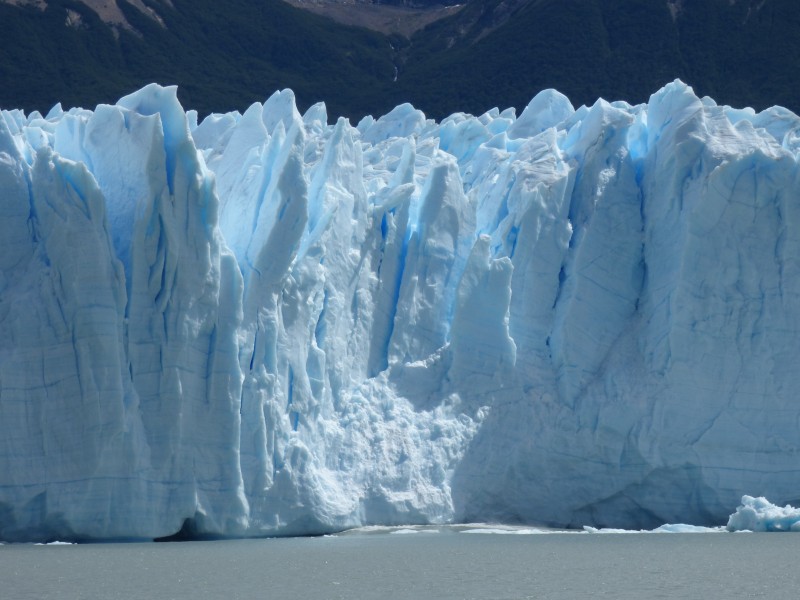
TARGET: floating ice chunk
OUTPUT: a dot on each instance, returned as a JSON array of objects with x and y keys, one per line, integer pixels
[
  {"x": 590, "y": 529},
  {"x": 56, "y": 543},
  {"x": 758, "y": 514},
  {"x": 507, "y": 531},
  {"x": 684, "y": 528},
  {"x": 668, "y": 528},
  {"x": 408, "y": 530}
]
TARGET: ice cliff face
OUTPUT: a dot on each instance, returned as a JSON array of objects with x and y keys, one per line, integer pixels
[{"x": 265, "y": 324}]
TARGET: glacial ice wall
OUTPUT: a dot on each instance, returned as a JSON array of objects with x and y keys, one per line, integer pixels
[{"x": 265, "y": 324}]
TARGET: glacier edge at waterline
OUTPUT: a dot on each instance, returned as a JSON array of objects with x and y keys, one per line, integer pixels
[{"x": 263, "y": 324}]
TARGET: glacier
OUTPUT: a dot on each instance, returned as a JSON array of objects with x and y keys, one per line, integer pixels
[{"x": 264, "y": 324}]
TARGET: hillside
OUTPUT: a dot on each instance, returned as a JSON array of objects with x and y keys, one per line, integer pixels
[
  {"x": 389, "y": 18},
  {"x": 741, "y": 53},
  {"x": 489, "y": 53},
  {"x": 223, "y": 56}
]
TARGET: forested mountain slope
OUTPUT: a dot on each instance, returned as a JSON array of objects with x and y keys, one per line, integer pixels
[{"x": 491, "y": 53}]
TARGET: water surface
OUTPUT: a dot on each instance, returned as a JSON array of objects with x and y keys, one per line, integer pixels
[{"x": 415, "y": 563}]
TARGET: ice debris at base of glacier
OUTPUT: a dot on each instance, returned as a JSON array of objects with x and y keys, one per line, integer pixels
[
  {"x": 668, "y": 528},
  {"x": 265, "y": 324},
  {"x": 758, "y": 514}
]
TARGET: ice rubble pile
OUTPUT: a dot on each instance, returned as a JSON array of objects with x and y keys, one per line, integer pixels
[{"x": 265, "y": 324}]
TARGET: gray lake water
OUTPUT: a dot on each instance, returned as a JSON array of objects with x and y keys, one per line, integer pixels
[{"x": 415, "y": 563}]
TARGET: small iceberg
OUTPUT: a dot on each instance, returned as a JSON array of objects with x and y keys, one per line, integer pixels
[{"x": 759, "y": 514}]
